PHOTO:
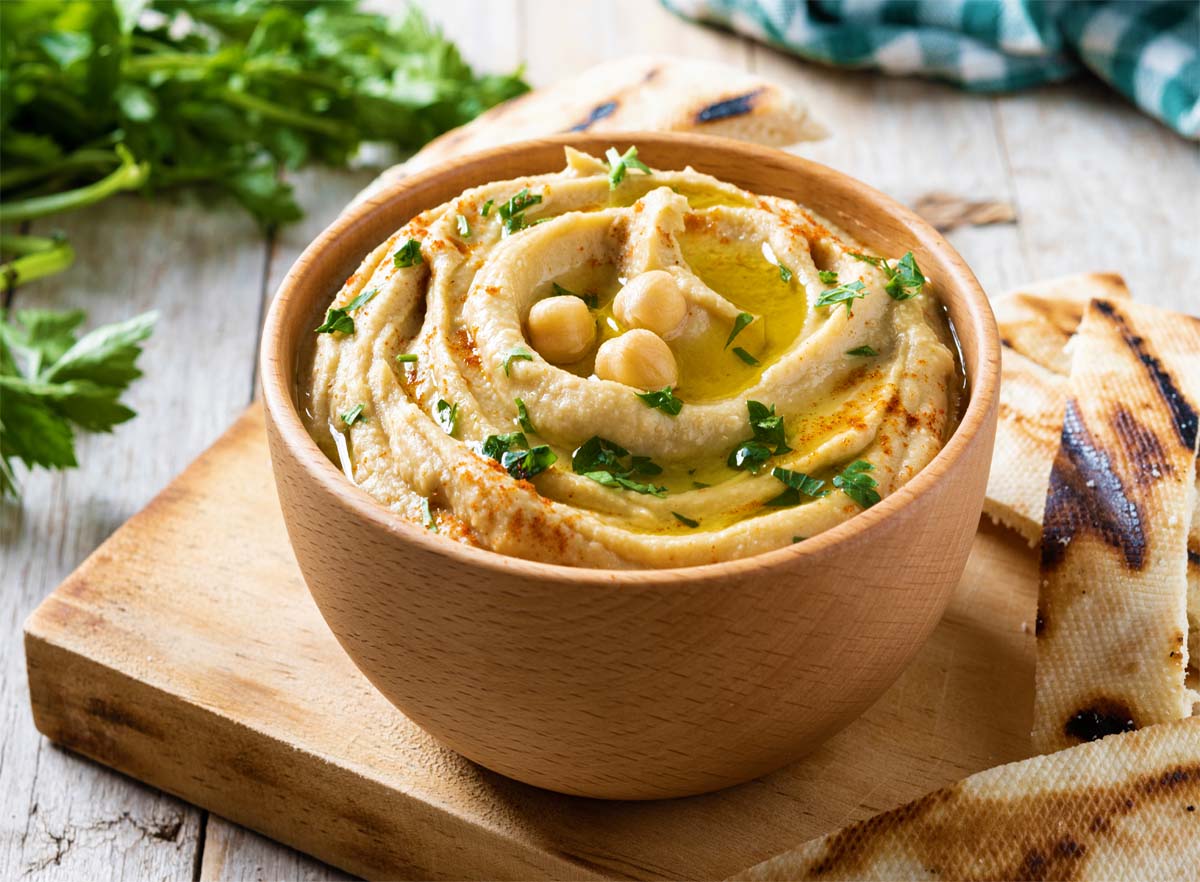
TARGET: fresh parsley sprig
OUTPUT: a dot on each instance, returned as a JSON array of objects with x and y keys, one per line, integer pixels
[
  {"x": 607, "y": 462},
  {"x": 797, "y": 484},
  {"x": 664, "y": 399},
  {"x": 904, "y": 280},
  {"x": 739, "y": 325},
  {"x": 769, "y": 438},
  {"x": 512, "y": 212},
  {"x": 619, "y": 164},
  {"x": 513, "y": 452},
  {"x": 338, "y": 318},
  {"x": 857, "y": 484},
  {"x": 846, "y": 294}
]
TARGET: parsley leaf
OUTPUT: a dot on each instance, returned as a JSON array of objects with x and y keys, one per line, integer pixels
[
  {"x": 797, "y": 484},
  {"x": 739, "y": 325},
  {"x": 512, "y": 212},
  {"x": 523, "y": 419},
  {"x": 857, "y": 484},
  {"x": 447, "y": 416},
  {"x": 686, "y": 521},
  {"x": 785, "y": 274},
  {"x": 745, "y": 356},
  {"x": 904, "y": 281},
  {"x": 828, "y": 277},
  {"x": 354, "y": 415},
  {"x": 487, "y": 206},
  {"x": 592, "y": 300},
  {"x": 861, "y": 352},
  {"x": 663, "y": 400},
  {"x": 513, "y": 452},
  {"x": 770, "y": 438},
  {"x": 517, "y": 353},
  {"x": 846, "y": 294},
  {"x": 618, "y": 165},
  {"x": 601, "y": 460},
  {"x": 464, "y": 229},
  {"x": 337, "y": 318},
  {"x": 51, "y": 381},
  {"x": 409, "y": 254}
]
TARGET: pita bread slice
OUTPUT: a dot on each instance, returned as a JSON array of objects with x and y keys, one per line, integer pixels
[
  {"x": 1116, "y": 809},
  {"x": 1036, "y": 322},
  {"x": 1112, "y": 606},
  {"x": 641, "y": 93},
  {"x": 1193, "y": 577}
]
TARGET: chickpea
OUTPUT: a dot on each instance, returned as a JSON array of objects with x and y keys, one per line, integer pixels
[
  {"x": 561, "y": 328},
  {"x": 652, "y": 301},
  {"x": 637, "y": 358}
]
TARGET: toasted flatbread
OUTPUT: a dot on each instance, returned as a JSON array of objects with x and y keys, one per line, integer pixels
[
  {"x": 1127, "y": 807},
  {"x": 1112, "y": 606},
  {"x": 643, "y": 93},
  {"x": 1036, "y": 322}
]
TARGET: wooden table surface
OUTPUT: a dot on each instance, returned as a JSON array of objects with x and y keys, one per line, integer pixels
[{"x": 1095, "y": 186}]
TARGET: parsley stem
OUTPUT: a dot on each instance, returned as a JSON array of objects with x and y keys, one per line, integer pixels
[
  {"x": 36, "y": 257},
  {"x": 77, "y": 161},
  {"x": 129, "y": 176},
  {"x": 273, "y": 111}
]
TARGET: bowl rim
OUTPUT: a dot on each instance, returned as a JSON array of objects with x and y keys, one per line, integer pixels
[{"x": 277, "y": 381}]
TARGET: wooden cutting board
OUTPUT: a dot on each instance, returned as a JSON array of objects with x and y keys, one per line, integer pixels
[{"x": 187, "y": 652}]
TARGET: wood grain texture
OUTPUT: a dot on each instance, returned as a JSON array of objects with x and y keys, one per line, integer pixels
[
  {"x": 1062, "y": 141},
  {"x": 159, "y": 635},
  {"x": 648, "y": 683}
]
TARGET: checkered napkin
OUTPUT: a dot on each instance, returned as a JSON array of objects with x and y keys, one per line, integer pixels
[{"x": 1147, "y": 49}]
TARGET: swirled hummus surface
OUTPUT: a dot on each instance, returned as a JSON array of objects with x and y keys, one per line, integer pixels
[{"x": 614, "y": 366}]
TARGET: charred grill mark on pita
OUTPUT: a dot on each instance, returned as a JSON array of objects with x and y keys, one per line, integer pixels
[
  {"x": 1086, "y": 494},
  {"x": 1101, "y": 718},
  {"x": 1143, "y": 446},
  {"x": 739, "y": 105},
  {"x": 599, "y": 112},
  {"x": 1183, "y": 414}
]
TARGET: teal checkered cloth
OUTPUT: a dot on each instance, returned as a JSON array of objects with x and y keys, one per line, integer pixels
[{"x": 1147, "y": 49}]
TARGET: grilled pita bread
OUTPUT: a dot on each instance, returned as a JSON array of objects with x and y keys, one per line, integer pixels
[
  {"x": 1127, "y": 807},
  {"x": 644, "y": 93},
  {"x": 1112, "y": 606}
]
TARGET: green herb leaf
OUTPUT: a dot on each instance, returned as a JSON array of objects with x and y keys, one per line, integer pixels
[
  {"x": 523, "y": 419},
  {"x": 861, "y": 352},
  {"x": 686, "y": 521},
  {"x": 406, "y": 358},
  {"x": 797, "y": 484},
  {"x": 592, "y": 300},
  {"x": 464, "y": 229},
  {"x": 408, "y": 255},
  {"x": 354, "y": 415},
  {"x": 785, "y": 274},
  {"x": 857, "y": 484},
  {"x": 867, "y": 258},
  {"x": 601, "y": 460},
  {"x": 487, "y": 206},
  {"x": 618, "y": 165},
  {"x": 427, "y": 518},
  {"x": 512, "y": 212},
  {"x": 609, "y": 479},
  {"x": 846, "y": 294},
  {"x": 770, "y": 438},
  {"x": 745, "y": 356},
  {"x": 700, "y": 485},
  {"x": 906, "y": 280},
  {"x": 517, "y": 353},
  {"x": 663, "y": 400},
  {"x": 597, "y": 452},
  {"x": 828, "y": 277},
  {"x": 513, "y": 452},
  {"x": 337, "y": 318},
  {"x": 447, "y": 416},
  {"x": 739, "y": 325}
]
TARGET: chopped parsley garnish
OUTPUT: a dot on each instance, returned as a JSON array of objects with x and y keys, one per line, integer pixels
[
  {"x": 686, "y": 521},
  {"x": 827, "y": 277},
  {"x": 796, "y": 539},
  {"x": 447, "y": 416},
  {"x": 408, "y": 255},
  {"x": 905, "y": 279},
  {"x": 663, "y": 400},
  {"x": 407, "y": 358},
  {"x": 739, "y": 325},
  {"x": 700, "y": 485},
  {"x": 512, "y": 212},
  {"x": 427, "y": 516},
  {"x": 798, "y": 484},
  {"x": 513, "y": 452},
  {"x": 861, "y": 352},
  {"x": 785, "y": 274},
  {"x": 857, "y": 484},
  {"x": 464, "y": 229},
  {"x": 518, "y": 353},
  {"x": 337, "y": 318},
  {"x": 592, "y": 300},
  {"x": 770, "y": 438},
  {"x": 603, "y": 461},
  {"x": 618, "y": 165},
  {"x": 354, "y": 415},
  {"x": 487, "y": 206},
  {"x": 523, "y": 419},
  {"x": 745, "y": 356},
  {"x": 846, "y": 294}
]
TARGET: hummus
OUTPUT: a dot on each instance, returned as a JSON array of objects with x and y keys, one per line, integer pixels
[{"x": 805, "y": 378}]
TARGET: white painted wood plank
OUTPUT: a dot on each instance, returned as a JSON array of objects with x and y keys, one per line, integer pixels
[
  {"x": 62, "y": 817},
  {"x": 1100, "y": 186}
]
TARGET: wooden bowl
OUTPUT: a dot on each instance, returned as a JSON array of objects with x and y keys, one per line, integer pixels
[{"x": 646, "y": 683}]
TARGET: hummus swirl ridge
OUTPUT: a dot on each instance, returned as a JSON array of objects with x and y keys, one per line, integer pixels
[{"x": 876, "y": 383}]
